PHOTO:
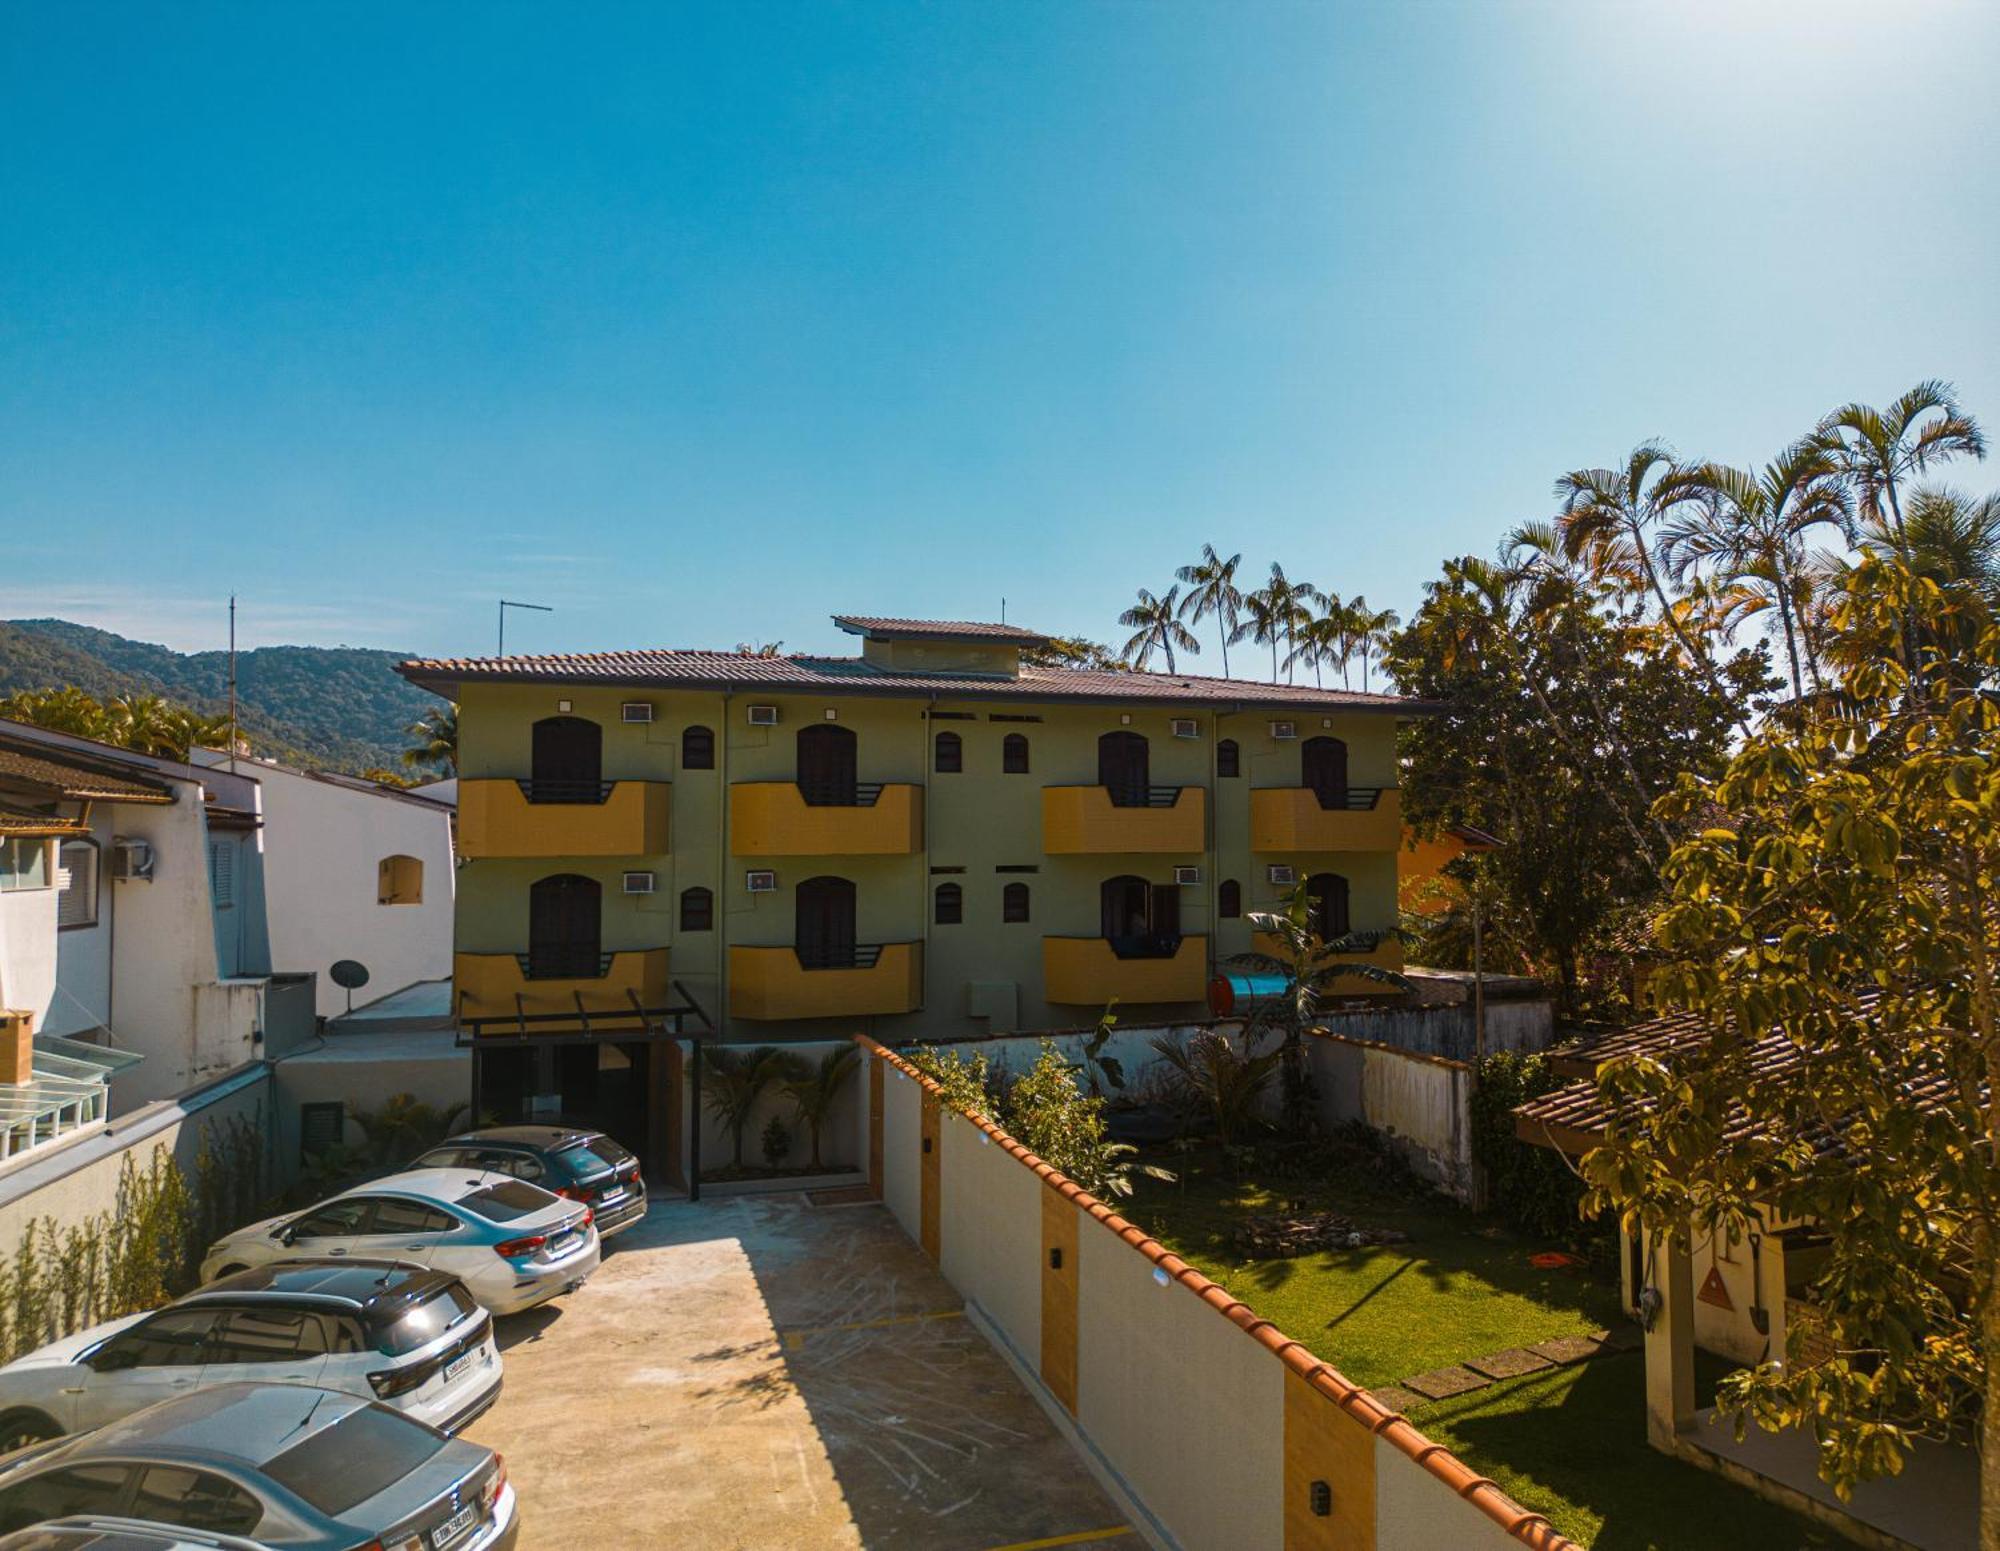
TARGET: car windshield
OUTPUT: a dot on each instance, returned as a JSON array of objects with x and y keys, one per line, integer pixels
[
  {"x": 426, "y": 1322},
  {"x": 597, "y": 1156},
  {"x": 363, "y": 1454},
  {"x": 506, "y": 1201}
]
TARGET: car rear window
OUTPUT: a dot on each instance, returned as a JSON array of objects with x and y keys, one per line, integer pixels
[
  {"x": 506, "y": 1201},
  {"x": 598, "y": 1156},
  {"x": 363, "y": 1454},
  {"x": 423, "y": 1324}
]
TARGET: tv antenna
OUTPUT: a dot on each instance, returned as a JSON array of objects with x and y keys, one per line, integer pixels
[{"x": 509, "y": 603}]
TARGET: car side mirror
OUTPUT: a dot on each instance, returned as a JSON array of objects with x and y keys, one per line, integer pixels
[{"x": 288, "y": 1236}]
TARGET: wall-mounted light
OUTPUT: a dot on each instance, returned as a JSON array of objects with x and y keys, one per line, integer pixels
[
  {"x": 832, "y": 715},
  {"x": 1160, "y": 1275},
  {"x": 1321, "y": 1497},
  {"x": 1055, "y": 1260},
  {"x": 562, "y": 705}
]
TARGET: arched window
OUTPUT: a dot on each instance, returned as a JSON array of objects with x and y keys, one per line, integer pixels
[
  {"x": 950, "y": 754},
  {"x": 1327, "y": 894},
  {"x": 698, "y": 748},
  {"x": 1140, "y": 920},
  {"x": 697, "y": 910},
  {"x": 1014, "y": 903},
  {"x": 568, "y": 761},
  {"x": 399, "y": 880},
  {"x": 1323, "y": 770},
  {"x": 823, "y": 921},
  {"x": 565, "y": 931},
  {"x": 950, "y": 905},
  {"x": 1228, "y": 759},
  {"x": 1229, "y": 899},
  {"x": 827, "y": 765},
  {"x": 76, "y": 873},
  {"x": 1014, "y": 754},
  {"x": 1124, "y": 768}
]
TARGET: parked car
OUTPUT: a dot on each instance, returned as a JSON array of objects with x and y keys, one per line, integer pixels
[
  {"x": 414, "y": 1339},
  {"x": 283, "y": 1465},
  {"x": 512, "y": 1243},
  {"x": 585, "y": 1166},
  {"x": 102, "y": 1532}
]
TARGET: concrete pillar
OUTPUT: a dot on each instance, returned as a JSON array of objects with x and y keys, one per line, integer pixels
[{"x": 1670, "y": 1346}]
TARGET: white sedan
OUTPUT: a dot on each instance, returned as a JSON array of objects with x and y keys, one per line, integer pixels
[{"x": 512, "y": 1243}]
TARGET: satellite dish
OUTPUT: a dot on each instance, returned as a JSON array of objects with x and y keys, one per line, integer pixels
[{"x": 350, "y": 976}]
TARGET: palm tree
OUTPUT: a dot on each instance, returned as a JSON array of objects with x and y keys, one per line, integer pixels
[
  {"x": 1157, "y": 627},
  {"x": 436, "y": 740},
  {"x": 1323, "y": 639},
  {"x": 1371, "y": 631},
  {"x": 736, "y": 1079},
  {"x": 1212, "y": 589},
  {"x": 1287, "y": 605},
  {"x": 813, "y": 1089},
  {"x": 1263, "y": 623}
]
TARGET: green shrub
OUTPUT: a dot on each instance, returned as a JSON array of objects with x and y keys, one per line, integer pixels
[{"x": 1533, "y": 1187}]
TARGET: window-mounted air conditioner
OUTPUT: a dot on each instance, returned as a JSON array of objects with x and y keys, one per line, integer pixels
[
  {"x": 1284, "y": 729},
  {"x": 1185, "y": 727},
  {"x": 760, "y": 881},
  {"x": 1282, "y": 873},
  {"x": 639, "y": 883},
  {"x": 132, "y": 860},
  {"x": 763, "y": 716},
  {"x": 636, "y": 711},
  {"x": 1186, "y": 876}
]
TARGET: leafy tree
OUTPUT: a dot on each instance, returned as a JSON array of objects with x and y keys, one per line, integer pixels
[
  {"x": 1073, "y": 652},
  {"x": 1156, "y": 626},
  {"x": 145, "y": 723},
  {"x": 434, "y": 740},
  {"x": 1834, "y": 924},
  {"x": 404, "y": 1126},
  {"x": 814, "y": 1089},
  {"x": 1047, "y": 1113},
  {"x": 1211, "y": 589}
]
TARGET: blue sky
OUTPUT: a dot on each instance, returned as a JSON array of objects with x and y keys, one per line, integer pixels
[{"x": 702, "y": 322}]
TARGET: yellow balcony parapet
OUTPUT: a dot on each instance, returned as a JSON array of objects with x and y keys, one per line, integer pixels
[
  {"x": 1387, "y": 954},
  {"x": 497, "y": 985},
  {"x": 1288, "y": 819},
  {"x": 495, "y": 818},
  {"x": 771, "y": 983},
  {"x": 1083, "y": 821},
  {"x": 1085, "y": 971},
  {"x": 772, "y": 818}
]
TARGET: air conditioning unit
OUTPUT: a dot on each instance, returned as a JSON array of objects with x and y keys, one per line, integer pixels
[
  {"x": 760, "y": 880},
  {"x": 1284, "y": 729},
  {"x": 639, "y": 883},
  {"x": 636, "y": 711},
  {"x": 1282, "y": 873},
  {"x": 763, "y": 716},
  {"x": 1187, "y": 876},
  {"x": 132, "y": 860},
  {"x": 1185, "y": 727}
]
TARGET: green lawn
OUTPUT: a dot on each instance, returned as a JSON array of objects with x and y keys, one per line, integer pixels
[{"x": 1570, "y": 1442}]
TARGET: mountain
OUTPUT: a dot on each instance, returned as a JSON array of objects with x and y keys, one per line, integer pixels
[{"x": 340, "y": 707}]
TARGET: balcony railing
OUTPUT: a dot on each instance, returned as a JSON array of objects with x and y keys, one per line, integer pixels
[
  {"x": 1090, "y": 971},
  {"x": 854, "y": 794},
  {"x": 564, "y": 964},
  {"x": 1298, "y": 819},
  {"x": 517, "y": 818},
  {"x": 778, "y": 818},
  {"x": 867, "y": 980},
  {"x": 1091, "y": 821}
]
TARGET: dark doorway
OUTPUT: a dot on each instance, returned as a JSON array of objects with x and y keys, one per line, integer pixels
[
  {"x": 827, "y": 766},
  {"x": 1324, "y": 770},
  {"x": 1140, "y": 920},
  {"x": 603, "y": 1085},
  {"x": 1326, "y": 895},
  {"x": 824, "y": 935},
  {"x": 564, "y": 928},
  {"x": 568, "y": 761},
  {"x": 1124, "y": 768}
]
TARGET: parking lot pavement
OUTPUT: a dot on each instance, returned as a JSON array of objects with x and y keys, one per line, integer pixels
[{"x": 753, "y": 1372}]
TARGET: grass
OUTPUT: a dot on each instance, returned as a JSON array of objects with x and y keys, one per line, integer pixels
[{"x": 1569, "y": 1442}]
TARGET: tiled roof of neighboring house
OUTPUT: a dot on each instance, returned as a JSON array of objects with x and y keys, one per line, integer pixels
[
  {"x": 76, "y": 778},
  {"x": 25, "y": 823},
  {"x": 679, "y": 669},
  {"x": 963, "y": 630}
]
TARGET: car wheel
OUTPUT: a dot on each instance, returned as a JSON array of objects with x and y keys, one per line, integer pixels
[{"x": 18, "y": 1429}]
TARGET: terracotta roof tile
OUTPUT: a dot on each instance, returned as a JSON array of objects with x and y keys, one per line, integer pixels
[
  {"x": 76, "y": 779},
  {"x": 26, "y": 823},
  {"x": 966, "y": 630}
]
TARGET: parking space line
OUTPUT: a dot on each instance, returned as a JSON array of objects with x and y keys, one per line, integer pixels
[
  {"x": 1081, "y": 1537},
  {"x": 796, "y": 1339}
]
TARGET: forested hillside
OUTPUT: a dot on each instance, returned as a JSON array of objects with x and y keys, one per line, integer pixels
[{"x": 342, "y": 707}]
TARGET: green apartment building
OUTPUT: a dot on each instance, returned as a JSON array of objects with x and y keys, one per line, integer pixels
[{"x": 928, "y": 838}]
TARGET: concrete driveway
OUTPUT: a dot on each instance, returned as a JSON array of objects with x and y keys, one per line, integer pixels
[{"x": 757, "y": 1372}]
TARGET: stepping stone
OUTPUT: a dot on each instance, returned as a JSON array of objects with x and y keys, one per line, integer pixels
[
  {"x": 1443, "y": 1383},
  {"x": 1621, "y": 1338},
  {"x": 1393, "y": 1397},
  {"x": 1568, "y": 1350},
  {"x": 1510, "y": 1364}
]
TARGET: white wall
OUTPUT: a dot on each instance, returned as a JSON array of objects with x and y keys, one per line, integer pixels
[
  {"x": 1419, "y": 1105},
  {"x": 322, "y": 843},
  {"x": 28, "y": 951}
]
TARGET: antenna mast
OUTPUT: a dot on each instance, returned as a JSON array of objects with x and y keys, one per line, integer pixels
[{"x": 232, "y": 682}]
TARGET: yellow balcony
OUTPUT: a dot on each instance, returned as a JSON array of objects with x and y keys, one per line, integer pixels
[
  {"x": 1290, "y": 819},
  {"x": 497, "y": 985},
  {"x": 495, "y": 818},
  {"x": 1083, "y": 821},
  {"x": 1084, "y": 971},
  {"x": 771, "y": 983},
  {"x": 1387, "y": 954},
  {"x": 772, "y": 818}
]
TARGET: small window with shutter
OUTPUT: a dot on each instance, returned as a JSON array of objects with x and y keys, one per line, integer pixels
[
  {"x": 76, "y": 875},
  {"x": 222, "y": 873}
]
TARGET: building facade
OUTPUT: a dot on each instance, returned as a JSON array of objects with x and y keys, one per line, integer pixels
[{"x": 928, "y": 838}]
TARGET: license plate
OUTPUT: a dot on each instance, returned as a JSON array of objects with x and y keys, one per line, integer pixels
[
  {"x": 458, "y": 1365},
  {"x": 611, "y": 1197},
  {"x": 563, "y": 1243},
  {"x": 454, "y": 1527}
]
